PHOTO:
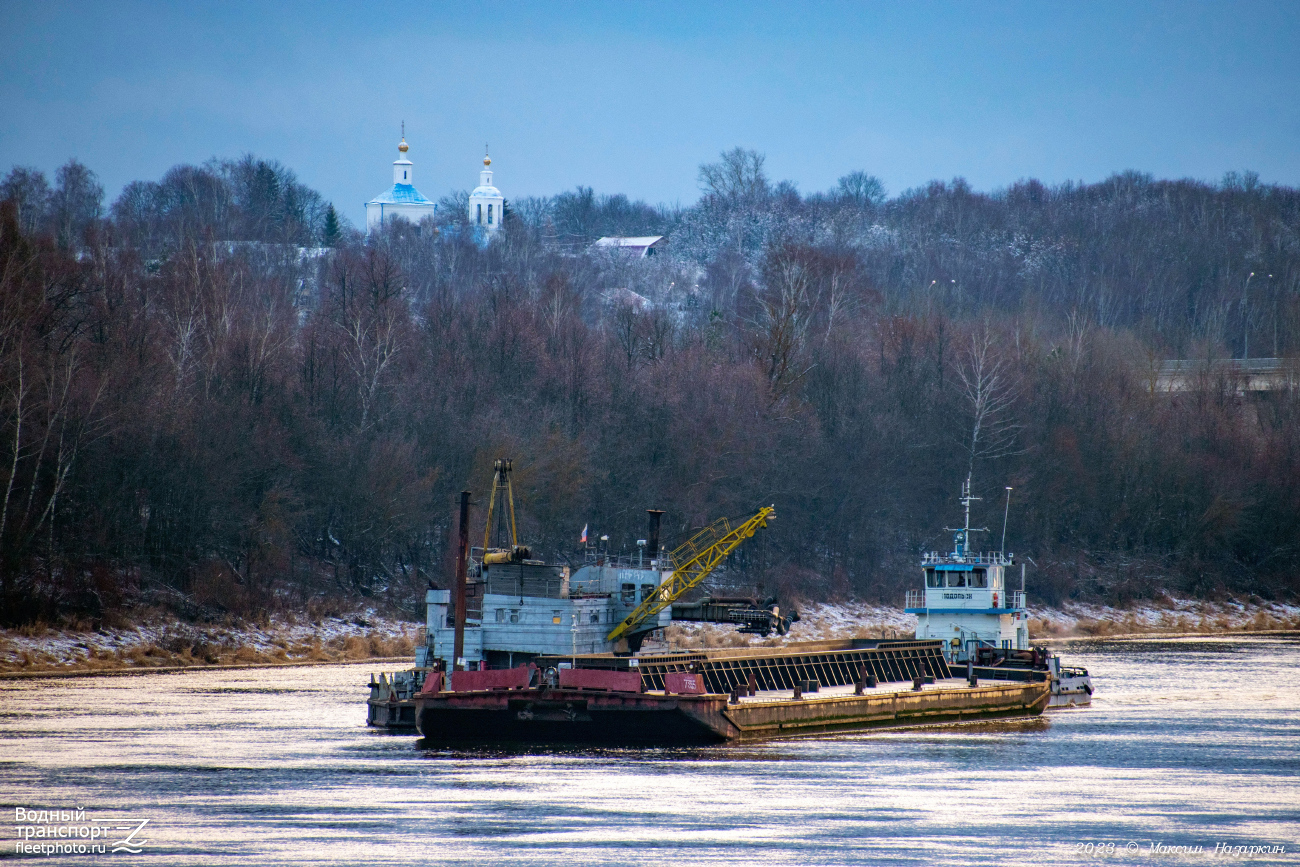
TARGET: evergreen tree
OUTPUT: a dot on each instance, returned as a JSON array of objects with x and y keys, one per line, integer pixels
[{"x": 332, "y": 230}]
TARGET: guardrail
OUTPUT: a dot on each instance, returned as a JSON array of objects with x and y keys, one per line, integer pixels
[
  {"x": 1009, "y": 599},
  {"x": 988, "y": 558}
]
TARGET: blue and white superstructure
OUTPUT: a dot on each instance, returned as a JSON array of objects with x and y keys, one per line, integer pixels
[{"x": 967, "y": 601}]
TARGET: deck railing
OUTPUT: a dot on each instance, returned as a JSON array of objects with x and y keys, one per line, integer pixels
[
  {"x": 1011, "y": 599},
  {"x": 987, "y": 558}
]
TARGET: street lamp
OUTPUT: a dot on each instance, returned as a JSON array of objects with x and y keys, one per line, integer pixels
[
  {"x": 1273, "y": 294},
  {"x": 1245, "y": 318}
]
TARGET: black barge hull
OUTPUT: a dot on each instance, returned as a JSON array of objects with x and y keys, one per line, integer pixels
[
  {"x": 548, "y": 716},
  {"x": 797, "y": 691}
]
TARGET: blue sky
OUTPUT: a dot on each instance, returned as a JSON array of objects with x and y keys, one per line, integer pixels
[{"x": 633, "y": 97}]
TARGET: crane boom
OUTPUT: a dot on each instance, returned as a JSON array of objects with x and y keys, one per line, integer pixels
[{"x": 692, "y": 563}]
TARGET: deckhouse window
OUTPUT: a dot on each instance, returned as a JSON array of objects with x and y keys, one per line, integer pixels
[
  {"x": 979, "y": 578},
  {"x": 956, "y": 579},
  {"x": 933, "y": 578}
]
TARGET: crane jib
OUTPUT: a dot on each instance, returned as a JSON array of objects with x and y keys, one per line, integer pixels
[{"x": 692, "y": 563}]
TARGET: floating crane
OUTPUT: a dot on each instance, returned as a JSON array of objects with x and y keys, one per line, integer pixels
[{"x": 692, "y": 563}]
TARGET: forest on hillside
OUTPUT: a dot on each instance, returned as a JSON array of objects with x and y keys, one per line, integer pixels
[{"x": 216, "y": 397}]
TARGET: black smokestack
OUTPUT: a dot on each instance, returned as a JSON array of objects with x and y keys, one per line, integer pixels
[{"x": 655, "y": 515}]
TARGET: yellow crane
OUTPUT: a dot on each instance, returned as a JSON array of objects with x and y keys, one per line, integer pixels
[
  {"x": 692, "y": 563},
  {"x": 502, "y": 488}
]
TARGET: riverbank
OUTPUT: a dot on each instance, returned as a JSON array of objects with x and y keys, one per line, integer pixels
[
  {"x": 174, "y": 645},
  {"x": 1168, "y": 617},
  {"x": 365, "y": 636}
]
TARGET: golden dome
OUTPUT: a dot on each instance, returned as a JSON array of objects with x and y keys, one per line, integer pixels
[
  {"x": 487, "y": 161},
  {"x": 403, "y": 147}
]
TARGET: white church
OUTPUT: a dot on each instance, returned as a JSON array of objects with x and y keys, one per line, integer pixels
[{"x": 486, "y": 204}]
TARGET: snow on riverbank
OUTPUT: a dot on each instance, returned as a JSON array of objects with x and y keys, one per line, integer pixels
[
  {"x": 366, "y": 636},
  {"x": 155, "y": 645},
  {"x": 1170, "y": 615},
  {"x": 848, "y": 619}
]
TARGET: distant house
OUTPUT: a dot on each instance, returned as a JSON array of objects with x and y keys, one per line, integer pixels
[{"x": 638, "y": 248}]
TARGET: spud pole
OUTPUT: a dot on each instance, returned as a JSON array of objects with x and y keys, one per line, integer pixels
[{"x": 462, "y": 563}]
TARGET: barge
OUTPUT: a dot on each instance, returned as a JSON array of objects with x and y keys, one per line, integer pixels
[
  {"x": 716, "y": 696},
  {"x": 519, "y": 674}
]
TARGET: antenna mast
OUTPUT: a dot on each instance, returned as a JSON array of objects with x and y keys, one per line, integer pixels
[
  {"x": 1005, "y": 514},
  {"x": 961, "y": 538}
]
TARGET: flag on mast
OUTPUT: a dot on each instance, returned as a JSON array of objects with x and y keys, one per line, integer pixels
[{"x": 583, "y": 540}]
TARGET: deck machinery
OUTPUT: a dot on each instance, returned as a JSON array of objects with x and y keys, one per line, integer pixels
[{"x": 518, "y": 607}]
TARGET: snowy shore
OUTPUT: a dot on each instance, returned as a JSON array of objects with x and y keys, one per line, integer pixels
[
  {"x": 367, "y": 636},
  {"x": 1170, "y": 616},
  {"x": 159, "y": 645}
]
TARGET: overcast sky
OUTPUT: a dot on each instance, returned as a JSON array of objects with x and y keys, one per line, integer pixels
[{"x": 633, "y": 97}]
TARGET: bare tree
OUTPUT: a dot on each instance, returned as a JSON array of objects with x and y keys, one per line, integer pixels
[
  {"x": 30, "y": 192},
  {"x": 738, "y": 175},
  {"x": 986, "y": 387},
  {"x": 862, "y": 189},
  {"x": 77, "y": 201},
  {"x": 786, "y": 307}
]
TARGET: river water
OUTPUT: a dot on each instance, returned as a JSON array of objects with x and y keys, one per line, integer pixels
[{"x": 1187, "y": 743}]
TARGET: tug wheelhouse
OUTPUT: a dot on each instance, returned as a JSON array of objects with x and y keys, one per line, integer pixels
[{"x": 966, "y": 603}]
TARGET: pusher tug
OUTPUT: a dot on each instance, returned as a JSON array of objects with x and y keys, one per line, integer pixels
[{"x": 966, "y": 604}]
